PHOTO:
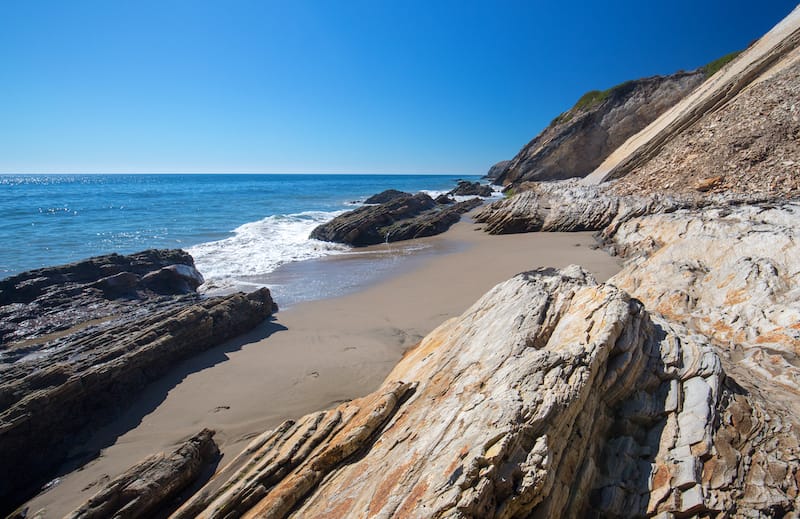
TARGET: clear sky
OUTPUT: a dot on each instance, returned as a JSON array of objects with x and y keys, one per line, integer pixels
[{"x": 374, "y": 86}]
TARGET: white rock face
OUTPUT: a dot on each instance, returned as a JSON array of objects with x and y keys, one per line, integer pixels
[{"x": 551, "y": 396}]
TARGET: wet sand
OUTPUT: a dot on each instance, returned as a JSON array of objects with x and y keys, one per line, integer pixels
[{"x": 317, "y": 353}]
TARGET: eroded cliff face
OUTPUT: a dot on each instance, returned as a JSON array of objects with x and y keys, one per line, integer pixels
[
  {"x": 743, "y": 114},
  {"x": 578, "y": 140}
]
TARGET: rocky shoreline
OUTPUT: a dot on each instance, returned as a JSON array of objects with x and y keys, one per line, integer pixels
[
  {"x": 670, "y": 390},
  {"x": 81, "y": 340}
]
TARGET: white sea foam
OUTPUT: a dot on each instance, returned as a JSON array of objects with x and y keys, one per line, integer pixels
[{"x": 257, "y": 248}]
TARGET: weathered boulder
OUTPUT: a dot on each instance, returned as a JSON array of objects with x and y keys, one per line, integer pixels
[
  {"x": 445, "y": 199},
  {"x": 173, "y": 279},
  {"x": 144, "y": 488},
  {"x": 53, "y": 393},
  {"x": 551, "y": 396},
  {"x": 385, "y": 196},
  {"x": 578, "y": 140},
  {"x": 466, "y": 188},
  {"x": 402, "y": 218}
]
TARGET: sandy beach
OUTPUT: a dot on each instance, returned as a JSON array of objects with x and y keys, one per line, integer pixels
[{"x": 314, "y": 354}]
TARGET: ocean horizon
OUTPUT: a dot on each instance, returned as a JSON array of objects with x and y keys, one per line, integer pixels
[{"x": 237, "y": 226}]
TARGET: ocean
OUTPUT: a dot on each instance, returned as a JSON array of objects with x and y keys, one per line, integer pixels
[{"x": 239, "y": 228}]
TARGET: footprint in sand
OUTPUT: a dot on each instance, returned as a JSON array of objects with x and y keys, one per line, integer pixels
[
  {"x": 314, "y": 374},
  {"x": 221, "y": 408}
]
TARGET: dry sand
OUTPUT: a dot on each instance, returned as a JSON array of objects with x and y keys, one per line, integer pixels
[{"x": 317, "y": 353}]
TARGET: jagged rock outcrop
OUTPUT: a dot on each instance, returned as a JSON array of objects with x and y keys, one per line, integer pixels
[
  {"x": 54, "y": 388},
  {"x": 569, "y": 206},
  {"x": 402, "y": 218},
  {"x": 147, "y": 486},
  {"x": 466, "y": 188},
  {"x": 718, "y": 104},
  {"x": 551, "y": 396},
  {"x": 385, "y": 196},
  {"x": 55, "y": 299},
  {"x": 577, "y": 141}
]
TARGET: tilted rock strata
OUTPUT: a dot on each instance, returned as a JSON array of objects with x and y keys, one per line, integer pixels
[
  {"x": 580, "y": 139},
  {"x": 55, "y": 299},
  {"x": 731, "y": 274},
  {"x": 401, "y": 218},
  {"x": 568, "y": 206},
  {"x": 771, "y": 53},
  {"x": 145, "y": 487},
  {"x": 79, "y": 381},
  {"x": 551, "y": 396},
  {"x": 749, "y": 145}
]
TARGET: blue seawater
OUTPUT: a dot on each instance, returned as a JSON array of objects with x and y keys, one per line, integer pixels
[{"x": 236, "y": 226}]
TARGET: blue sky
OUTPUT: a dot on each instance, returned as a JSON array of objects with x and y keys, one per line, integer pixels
[{"x": 326, "y": 86}]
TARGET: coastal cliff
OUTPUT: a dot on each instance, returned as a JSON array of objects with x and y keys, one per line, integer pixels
[{"x": 578, "y": 140}]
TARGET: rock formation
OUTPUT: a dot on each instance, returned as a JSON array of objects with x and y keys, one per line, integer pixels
[
  {"x": 551, "y": 396},
  {"x": 117, "y": 332},
  {"x": 141, "y": 490},
  {"x": 578, "y": 140},
  {"x": 730, "y": 151},
  {"x": 722, "y": 105},
  {"x": 466, "y": 188},
  {"x": 385, "y": 196},
  {"x": 401, "y": 218},
  {"x": 55, "y": 299}
]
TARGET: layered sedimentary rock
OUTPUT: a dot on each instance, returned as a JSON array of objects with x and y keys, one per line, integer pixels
[
  {"x": 93, "y": 334},
  {"x": 578, "y": 140},
  {"x": 403, "y": 217},
  {"x": 751, "y": 144},
  {"x": 715, "y": 101},
  {"x": 568, "y": 206},
  {"x": 145, "y": 487},
  {"x": 551, "y": 396},
  {"x": 385, "y": 196},
  {"x": 55, "y": 299}
]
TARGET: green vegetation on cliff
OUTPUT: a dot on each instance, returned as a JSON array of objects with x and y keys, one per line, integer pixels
[{"x": 712, "y": 68}]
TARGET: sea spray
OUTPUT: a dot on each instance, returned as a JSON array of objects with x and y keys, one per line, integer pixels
[{"x": 257, "y": 248}]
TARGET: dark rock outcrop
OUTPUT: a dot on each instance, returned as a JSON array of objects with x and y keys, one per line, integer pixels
[
  {"x": 80, "y": 340},
  {"x": 445, "y": 199},
  {"x": 148, "y": 486},
  {"x": 56, "y": 299},
  {"x": 466, "y": 188},
  {"x": 578, "y": 140},
  {"x": 385, "y": 196},
  {"x": 402, "y": 218}
]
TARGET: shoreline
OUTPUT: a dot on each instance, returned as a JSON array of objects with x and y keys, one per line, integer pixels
[{"x": 315, "y": 354}]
